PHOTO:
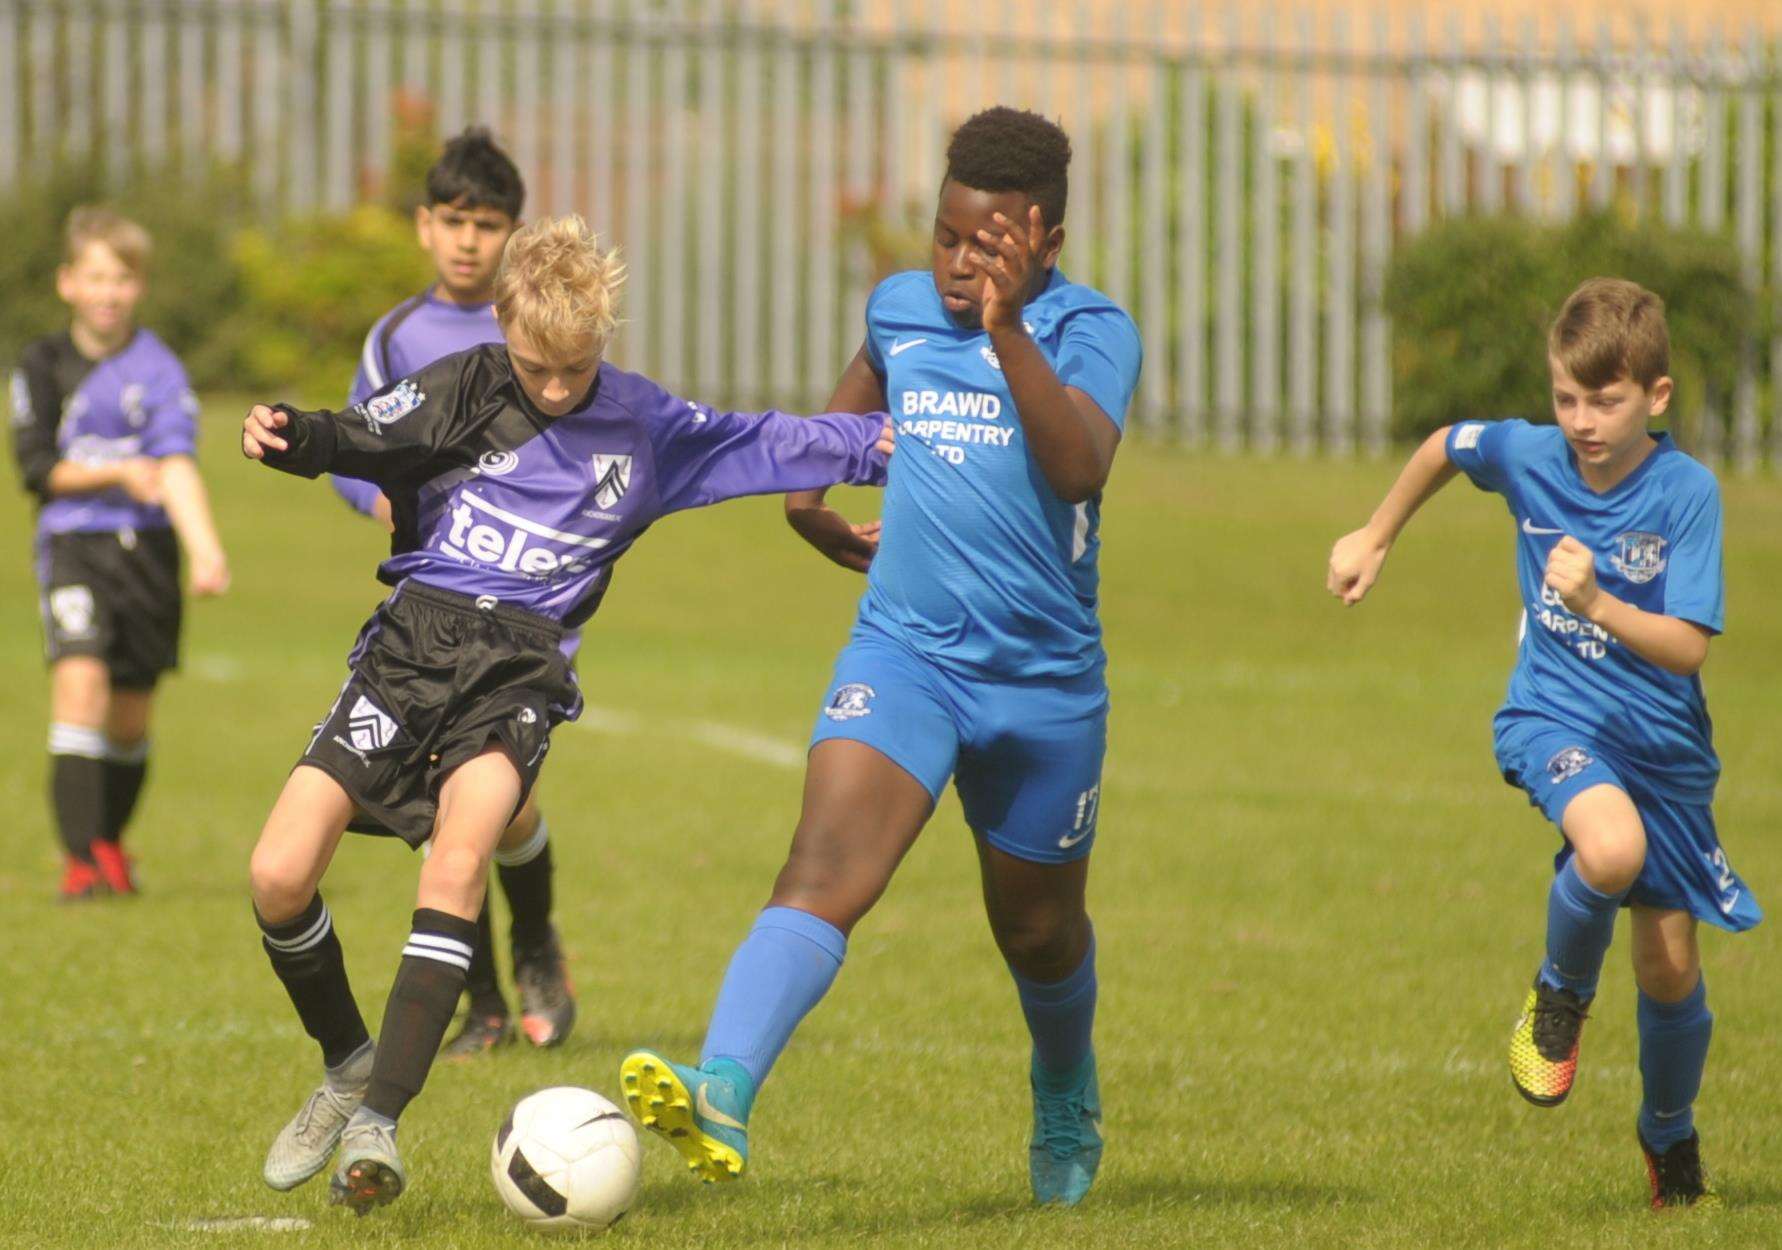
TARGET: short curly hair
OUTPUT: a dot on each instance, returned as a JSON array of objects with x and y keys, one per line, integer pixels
[
  {"x": 559, "y": 287},
  {"x": 1005, "y": 149}
]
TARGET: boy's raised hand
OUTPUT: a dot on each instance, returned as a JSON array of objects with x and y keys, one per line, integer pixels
[
  {"x": 1571, "y": 573},
  {"x": 258, "y": 432},
  {"x": 1355, "y": 563}
]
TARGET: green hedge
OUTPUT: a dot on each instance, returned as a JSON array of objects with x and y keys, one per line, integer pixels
[
  {"x": 281, "y": 309},
  {"x": 1472, "y": 298}
]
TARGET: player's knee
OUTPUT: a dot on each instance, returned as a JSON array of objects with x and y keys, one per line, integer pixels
[
  {"x": 455, "y": 869},
  {"x": 1046, "y": 945},
  {"x": 1611, "y": 859},
  {"x": 1665, "y": 974},
  {"x": 827, "y": 885},
  {"x": 281, "y": 882}
]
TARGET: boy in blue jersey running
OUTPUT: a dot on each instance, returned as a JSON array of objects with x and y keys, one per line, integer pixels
[
  {"x": 1605, "y": 725},
  {"x": 474, "y": 197},
  {"x": 977, "y": 653}
]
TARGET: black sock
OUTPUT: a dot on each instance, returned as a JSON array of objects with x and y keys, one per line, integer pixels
[
  {"x": 125, "y": 768},
  {"x": 480, "y": 982},
  {"x": 421, "y": 1002},
  {"x": 307, "y": 957},
  {"x": 77, "y": 787},
  {"x": 525, "y": 874}
]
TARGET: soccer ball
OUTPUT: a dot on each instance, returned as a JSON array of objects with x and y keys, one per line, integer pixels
[{"x": 566, "y": 1160}]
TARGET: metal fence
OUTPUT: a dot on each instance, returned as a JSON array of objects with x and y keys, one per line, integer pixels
[{"x": 1242, "y": 173}]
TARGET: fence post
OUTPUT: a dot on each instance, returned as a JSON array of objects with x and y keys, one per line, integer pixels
[
  {"x": 229, "y": 80},
  {"x": 1416, "y": 173},
  {"x": 337, "y": 158},
  {"x": 1376, "y": 242},
  {"x": 1339, "y": 334},
  {"x": 1453, "y": 159},
  {"x": 1228, "y": 160},
  {"x": 380, "y": 98},
  {"x": 1265, "y": 215},
  {"x": 1775, "y": 138},
  {"x": 711, "y": 203},
  {"x": 1302, "y": 313},
  {"x": 672, "y": 206},
  {"x": 114, "y": 81},
  {"x": 603, "y": 123},
  {"x": 525, "y": 124},
  {"x": 565, "y": 49},
  {"x": 270, "y": 78},
  {"x": 822, "y": 364},
  {"x": 1750, "y": 229},
  {"x": 78, "y": 31},
  {"x": 1191, "y": 232},
  {"x": 746, "y": 315},
  {"x": 640, "y": 133},
  {"x": 1154, "y": 273},
  {"x": 11, "y": 162},
  {"x": 45, "y": 125},
  {"x": 783, "y": 213},
  {"x": 301, "y": 192},
  {"x": 192, "y": 80}
]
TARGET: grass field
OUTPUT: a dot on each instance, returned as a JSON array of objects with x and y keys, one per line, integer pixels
[{"x": 1318, "y": 907}]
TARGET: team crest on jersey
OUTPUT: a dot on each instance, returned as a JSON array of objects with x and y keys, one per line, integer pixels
[
  {"x": 1568, "y": 764},
  {"x": 1638, "y": 556},
  {"x": 370, "y": 727},
  {"x": 612, "y": 477},
  {"x": 851, "y": 702},
  {"x": 390, "y": 407},
  {"x": 130, "y": 400},
  {"x": 497, "y": 463},
  {"x": 990, "y": 357}
]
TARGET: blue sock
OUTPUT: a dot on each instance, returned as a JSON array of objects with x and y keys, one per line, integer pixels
[
  {"x": 782, "y": 970},
  {"x": 1580, "y": 925},
  {"x": 1673, "y": 1049},
  {"x": 1060, "y": 1015}
]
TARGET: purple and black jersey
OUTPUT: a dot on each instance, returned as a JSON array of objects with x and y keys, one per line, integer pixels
[
  {"x": 405, "y": 340},
  {"x": 135, "y": 402},
  {"x": 492, "y": 498}
]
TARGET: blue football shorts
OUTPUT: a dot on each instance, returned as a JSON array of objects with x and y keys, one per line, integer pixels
[
  {"x": 1025, "y": 755},
  {"x": 1686, "y": 868}
]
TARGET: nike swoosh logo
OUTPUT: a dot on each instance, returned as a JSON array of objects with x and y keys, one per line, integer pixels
[
  {"x": 703, "y": 1105},
  {"x": 1529, "y": 527},
  {"x": 1727, "y": 904},
  {"x": 900, "y": 347},
  {"x": 1069, "y": 840}
]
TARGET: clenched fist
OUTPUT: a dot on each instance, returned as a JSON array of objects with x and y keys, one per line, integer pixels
[{"x": 1571, "y": 572}]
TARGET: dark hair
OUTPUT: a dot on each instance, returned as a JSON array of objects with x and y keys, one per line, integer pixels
[
  {"x": 1005, "y": 149},
  {"x": 473, "y": 172}
]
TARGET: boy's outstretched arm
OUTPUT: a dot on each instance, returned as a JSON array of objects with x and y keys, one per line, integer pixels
[
  {"x": 862, "y": 390},
  {"x": 705, "y": 456},
  {"x": 1356, "y": 559},
  {"x": 188, "y": 507},
  {"x": 1675, "y": 645}
]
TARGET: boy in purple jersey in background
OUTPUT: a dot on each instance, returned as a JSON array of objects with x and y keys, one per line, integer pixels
[
  {"x": 103, "y": 425},
  {"x": 518, "y": 474},
  {"x": 474, "y": 197}
]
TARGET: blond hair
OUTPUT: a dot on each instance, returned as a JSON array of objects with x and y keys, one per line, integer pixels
[
  {"x": 90, "y": 224},
  {"x": 558, "y": 286},
  {"x": 1609, "y": 329}
]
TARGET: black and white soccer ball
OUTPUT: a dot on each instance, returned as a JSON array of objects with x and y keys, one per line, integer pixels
[{"x": 566, "y": 1159}]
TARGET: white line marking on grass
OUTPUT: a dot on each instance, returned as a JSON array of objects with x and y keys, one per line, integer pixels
[
  {"x": 734, "y": 740},
  {"x": 218, "y": 668},
  {"x": 750, "y": 745},
  {"x": 244, "y": 1223}
]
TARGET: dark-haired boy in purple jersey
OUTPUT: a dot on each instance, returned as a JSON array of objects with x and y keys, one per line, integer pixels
[
  {"x": 518, "y": 474},
  {"x": 474, "y": 198}
]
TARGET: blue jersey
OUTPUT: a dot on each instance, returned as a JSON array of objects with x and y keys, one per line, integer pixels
[
  {"x": 1656, "y": 536},
  {"x": 981, "y": 567},
  {"x": 403, "y": 341}
]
